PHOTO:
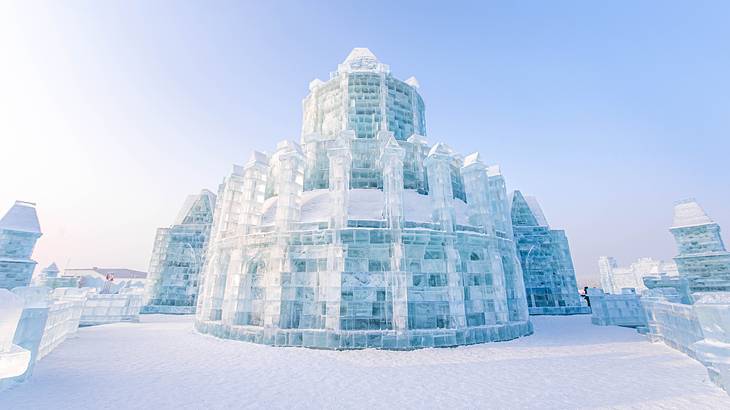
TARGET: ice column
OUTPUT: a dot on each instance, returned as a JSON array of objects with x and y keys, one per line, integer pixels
[
  {"x": 225, "y": 224},
  {"x": 440, "y": 190},
  {"x": 418, "y": 149},
  {"x": 255, "y": 173},
  {"x": 438, "y": 168},
  {"x": 474, "y": 174},
  {"x": 254, "y": 188},
  {"x": 340, "y": 156},
  {"x": 288, "y": 207},
  {"x": 392, "y": 163},
  {"x": 289, "y": 184},
  {"x": 515, "y": 283}
]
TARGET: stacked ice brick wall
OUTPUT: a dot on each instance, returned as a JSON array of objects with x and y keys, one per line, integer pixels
[
  {"x": 178, "y": 257},
  {"x": 14, "y": 359},
  {"x": 31, "y": 327},
  {"x": 19, "y": 231},
  {"x": 546, "y": 261},
  {"x": 101, "y": 308},
  {"x": 670, "y": 321},
  {"x": 363, "y": 236},
  {"x": 622, "y": 309},
  {"x": 64, "y": 315}
]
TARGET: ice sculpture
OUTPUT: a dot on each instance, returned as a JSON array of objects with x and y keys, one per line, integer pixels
[
  {"x": 546, "y": 261},
  {"x": 702, "y": 257},
  {"x": 363, "y": 235},
  {"x": 614, "y": 278},
  {"x": 178, "y": 257},
  {"x": 19, "y": 231}
]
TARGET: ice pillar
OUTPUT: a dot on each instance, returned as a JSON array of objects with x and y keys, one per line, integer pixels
[
  {"x": 442, "y": 196},
  {"x": 392, "y": 162},
  {"x": 440, "y": 189},
  {"x": 514, "y": 280},
  {"x": 289, "y": 184},
  {"x": 225, "y": 224},
  {"x": 474, "y": 174},
  {"x": 340, "y": 157},
  {"x": 417, "y": 151}
]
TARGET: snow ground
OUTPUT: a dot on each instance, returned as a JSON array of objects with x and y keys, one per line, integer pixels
[{"x": 162, "y": 363}]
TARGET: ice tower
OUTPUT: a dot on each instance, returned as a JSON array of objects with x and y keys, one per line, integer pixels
[
  {"x": 363, "y": 234},
  {"x": 546, "y": 261},
  {"x": 19, "y": 231},
  {"x": 702, "y": 258},
  {"x": 178, "y": 257}
]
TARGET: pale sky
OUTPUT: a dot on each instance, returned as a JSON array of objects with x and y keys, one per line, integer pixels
[{"x": 112, "y": 112}]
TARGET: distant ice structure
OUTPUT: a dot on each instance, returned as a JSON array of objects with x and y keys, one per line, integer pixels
[
  {"x": 546, "y": 261},
  {"x": 689, "y": 312},
  {"x": 19, "y": 231},
  {"x": 104, "y": 280},
  {"x": 614, "y": 277},
  {"x": 49, "y": 277},
  {"x": 702, "y": 257},
  {"x": 178, "y": 258},
  {"x": 364, "y": 235}
]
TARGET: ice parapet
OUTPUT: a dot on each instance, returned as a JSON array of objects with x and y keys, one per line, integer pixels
[
  {"x": 546, "y": 261},
  {"x": 363, "y": 235},
  {"x": 178, "y": 257}
]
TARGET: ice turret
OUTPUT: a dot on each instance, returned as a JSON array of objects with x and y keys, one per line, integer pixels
[
  {"x": 19, "y": 231},
  {"x": 702, "y": 258}
]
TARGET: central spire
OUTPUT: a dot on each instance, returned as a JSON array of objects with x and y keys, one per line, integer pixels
[
  {"x": 360, "y": 53},
  {"x": 362, "y": 59}
]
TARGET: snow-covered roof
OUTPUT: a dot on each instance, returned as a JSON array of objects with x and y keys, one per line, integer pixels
[
  {"x": 413, "y": 82},
  {"x": 440, "y": 149},
  {"x": 689, "y": 213},
  {"x": 417, "y": 139},
  {"x": 493, "y": 171},
  {"x": 21, "y": 217},
  {"x": 473, "y": 159},
  {"x": 365, "y": 204},
  {"x": 258, "y": 157}
]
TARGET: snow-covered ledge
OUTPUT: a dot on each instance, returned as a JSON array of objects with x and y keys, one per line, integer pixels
[{"x": 14, "y": 359}]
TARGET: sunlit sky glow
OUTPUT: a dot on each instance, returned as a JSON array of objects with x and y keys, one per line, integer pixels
[{"x": 112, "y": 112}]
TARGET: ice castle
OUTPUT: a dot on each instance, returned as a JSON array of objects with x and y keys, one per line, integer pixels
[
  {"x": 19, "y": 231},
  {"x": 178, "y": 257},
  {"x": 546, "y": 261},
  {"x": 363, "y": 235}
]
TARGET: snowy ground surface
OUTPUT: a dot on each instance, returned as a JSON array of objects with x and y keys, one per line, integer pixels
[{"x": 162, "y": 363}]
